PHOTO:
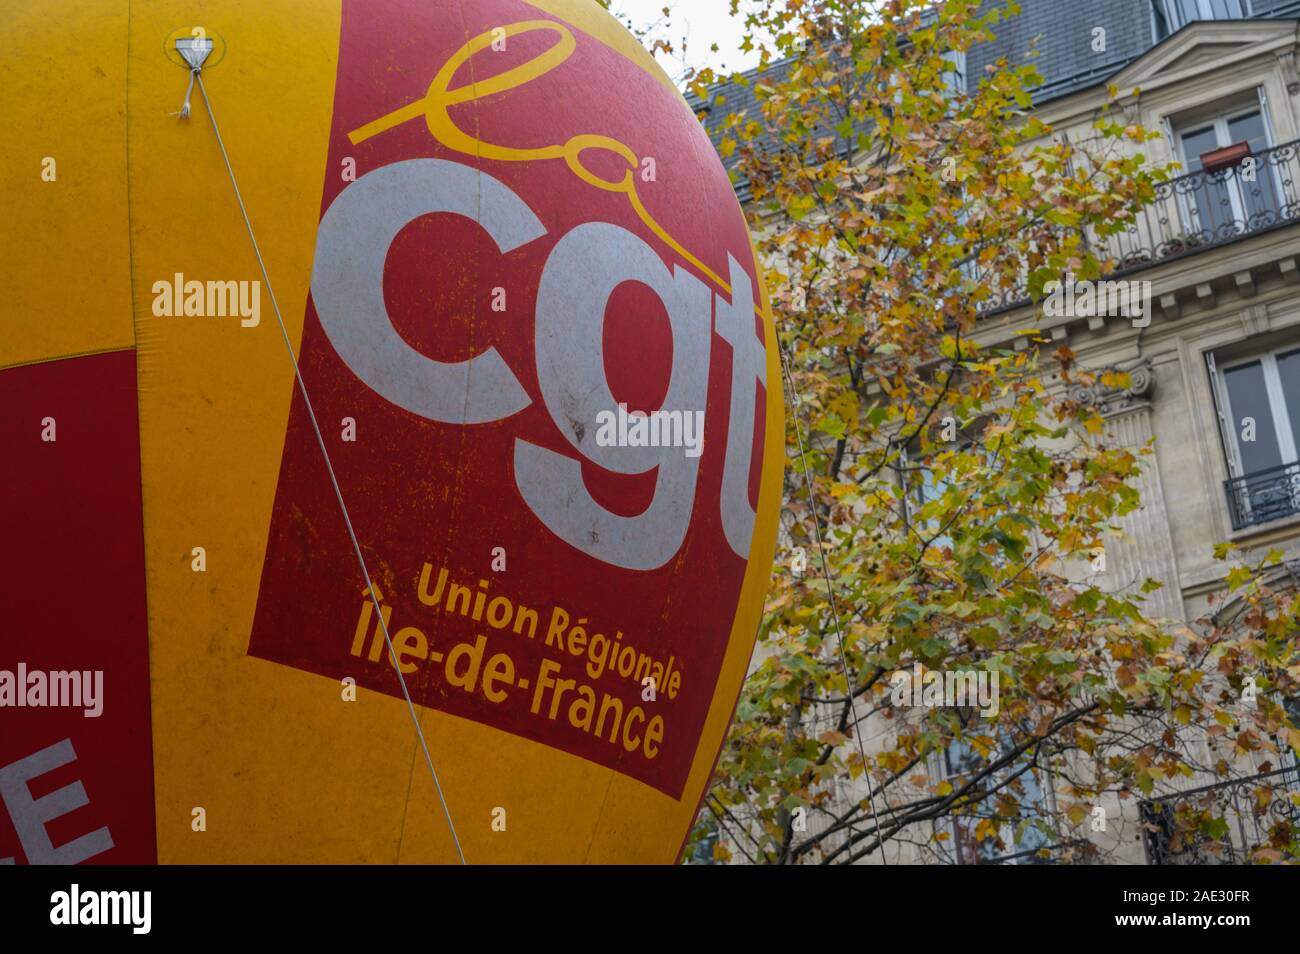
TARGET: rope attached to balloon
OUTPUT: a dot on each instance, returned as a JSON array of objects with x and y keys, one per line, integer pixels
[
  {"x": 184, "y": 111},
  {"x": 195, "y": 74},
  {"x": 434, "y": 108}
]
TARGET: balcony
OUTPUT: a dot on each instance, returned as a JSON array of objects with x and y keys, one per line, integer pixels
[
  {"x": 1077, "y": 852},
  {"x": 1268, "y": 495},
  {"x": 1203, "y": 209},
  {"x": 1222, "y": 824},
  {"x": 1196, "y": 212}
]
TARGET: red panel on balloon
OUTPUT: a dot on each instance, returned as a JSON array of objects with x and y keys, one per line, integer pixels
[
  {"x": 76, "y": 764},
  {"x": 605, "y": 643}
]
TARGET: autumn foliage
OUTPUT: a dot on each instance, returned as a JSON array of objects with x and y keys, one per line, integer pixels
[{"x": 945, "y": 502}]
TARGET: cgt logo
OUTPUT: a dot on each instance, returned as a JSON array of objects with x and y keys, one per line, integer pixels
[
  {"x": 581, "y": 273},
  {"x": 492, "y": 278}
]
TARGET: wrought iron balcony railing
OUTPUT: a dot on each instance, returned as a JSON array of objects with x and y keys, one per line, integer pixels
[
  {"x": 1195, "y": 212},
  {"x": 1267, "y": 495},
  {"x": 1220, "y": 824},
  {"x": 1076, "y": 851},
  {"x": 1203, "y": 209}
]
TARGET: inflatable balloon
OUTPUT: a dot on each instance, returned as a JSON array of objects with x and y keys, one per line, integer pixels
[{"x": 392, "y": 436}]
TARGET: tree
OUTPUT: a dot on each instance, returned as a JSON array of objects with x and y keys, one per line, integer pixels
[
  {"x": 945, "y": 504},
  {"x": 654, "y": 35}
]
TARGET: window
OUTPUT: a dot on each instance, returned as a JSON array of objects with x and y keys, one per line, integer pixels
[
  {"x": 954, "y": 78},
  {"x": 1232, "y": 200},
  {"x": 1292, "y": 758},
  {"x": 923, "y": 487},
  {"x": 702, "y": 853},
  {"x": 1259, "y": 406},
  {"x": 1023, "y": 838},
  {"x": 1171, "y": 15}
]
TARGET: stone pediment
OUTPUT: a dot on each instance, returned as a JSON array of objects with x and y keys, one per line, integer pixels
[{"x": 1204, "y": 45}]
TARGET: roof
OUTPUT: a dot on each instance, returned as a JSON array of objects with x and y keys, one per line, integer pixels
[{"x": 1037, "y": 35}]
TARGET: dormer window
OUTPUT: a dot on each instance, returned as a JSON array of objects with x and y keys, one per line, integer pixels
[{"x": 1169, "y": 16}]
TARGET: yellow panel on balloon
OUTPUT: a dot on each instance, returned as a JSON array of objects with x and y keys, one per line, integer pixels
[{"x": 528, "y": 479}]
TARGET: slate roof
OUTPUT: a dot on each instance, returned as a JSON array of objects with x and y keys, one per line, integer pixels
[{"x": 1060, "y": 31}]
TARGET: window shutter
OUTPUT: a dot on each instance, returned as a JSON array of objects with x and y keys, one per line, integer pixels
[
  {"x": 1264, "y": 115},
  {"x": 1225, "y": 431}
]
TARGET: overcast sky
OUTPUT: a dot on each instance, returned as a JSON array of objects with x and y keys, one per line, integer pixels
[{"x": 703, "y": 23}]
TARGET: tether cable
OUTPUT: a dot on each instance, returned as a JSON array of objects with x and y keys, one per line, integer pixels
[{"x": 320, "y": 439}]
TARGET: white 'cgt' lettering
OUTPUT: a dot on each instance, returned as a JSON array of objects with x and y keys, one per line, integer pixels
[
  {"x": 580, "y": 274},
  {"x": 347, "y": 285}
]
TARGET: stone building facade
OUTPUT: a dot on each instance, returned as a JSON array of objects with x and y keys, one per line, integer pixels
[
  {"x": 1215, "y": 371},
  {"x": 1216, "y": 364}
]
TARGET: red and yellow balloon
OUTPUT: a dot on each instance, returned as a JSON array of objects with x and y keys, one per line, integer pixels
[{"x": 535, "y": 340}]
